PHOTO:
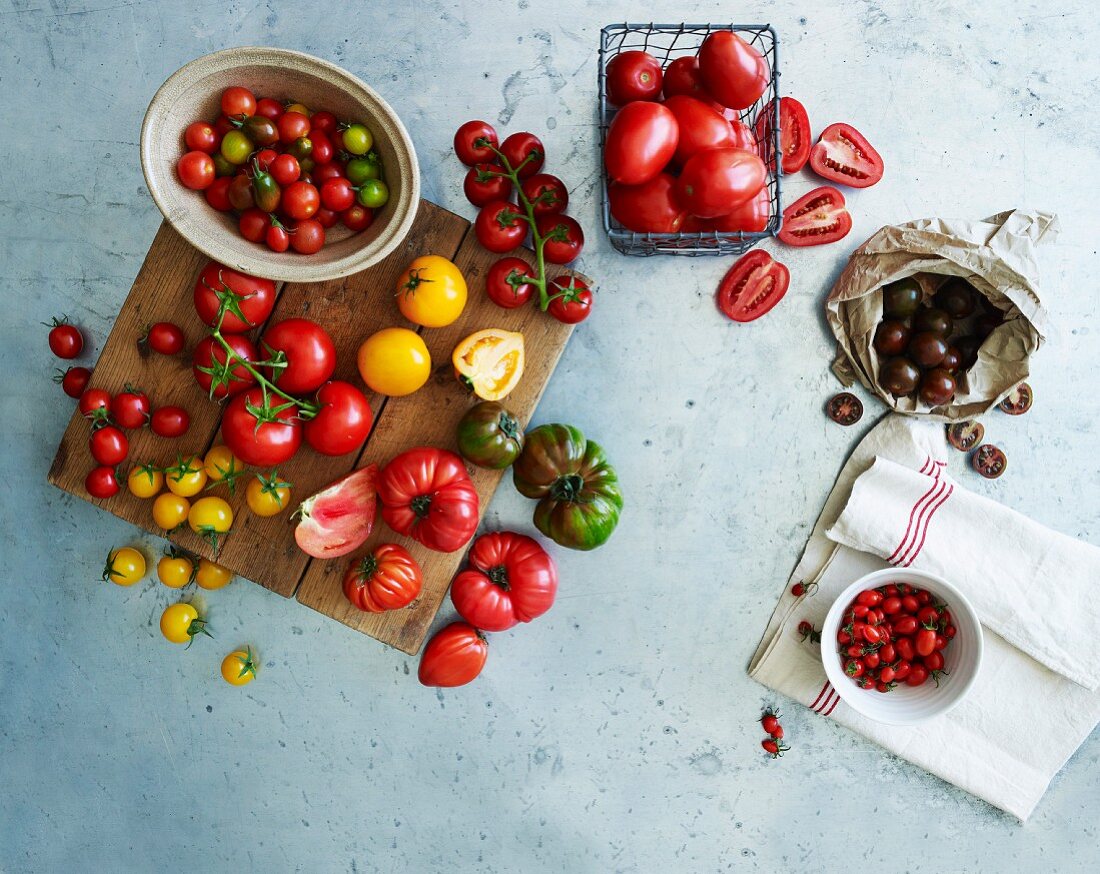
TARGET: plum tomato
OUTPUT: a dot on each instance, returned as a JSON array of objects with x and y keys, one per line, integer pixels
[
  {"x": 563, "y": 239},
  {"x": 891, "y": 337},
  {"x": 73, "y": 381},
  {"x": 901, "y": 299},
  {"x": 357, "y": 218},
  {"x": 899, "y": 376},
  {"x": 869, "y": 598},
  {"x": 989, "y": 460},
  {"x": 343, "y": 423},
  {"x": 1018, "y": 401},
  {"x": 816, "y": 218},
  {"x": 571, "y": 300},
  {"x": 196, "y": 170},
  {"x": 732, "y": 70},
  {"x": 237, "y": 101},
  {"x": 65, "y": 340},
  {"x": 485, "y": 183},
  {"x": 715, "y": 181},
  {"x": 214, "y": 375},
  {"x": 308, "y": 236},
  {"x": 633, "y": 75},
  {"x": 701, "y": 127},
  {"x": 743, "y": 137},
  {"x": 927, "y": 349},
  {"x": 752, "y": 215},
  {"x": 130, "y": 408},
  {"x": 524, "y": 153},
  {"x": 843, "y": 155},
  {"x": 752, "y": 286},
  {"x": 845, "y": 409},
  {"x": 683, "y": 77},
  {"x": 276, "y": 236},
  {"x": 101, "y": 482},
  {"x": 641, "y": 140},
  {"x": 323, "y": 152},
  {"x": 956, "y": 297},
  {"x": 853, "y": 668},
  {"x": 248, "y": 300},
  {"x": 964, "y": 436},
  {"x": 108, "y": 446},
  {"x": 650, "y": 207},
  {"x": 169, "y": 422},
  {"x": 305, "y": 352},
  {"x": 474, "y": 143},
  {"x": 547, "y": 194},
  {"x": 508, "y": 283},
  {"x": 500, "y": 226},
  {"x": 934, "y": 320},
  {"x": 937, "y": 387},
  {"x": 794, "y": 135}
]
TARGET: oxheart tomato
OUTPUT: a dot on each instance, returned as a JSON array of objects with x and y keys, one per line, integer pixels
[
  {"x": 454, "y": 657},
  {"x": 683, "y": 77},
  {"x": 386, "y": 578},
  {"x": 843, "y": 155},
  {"x": 247, "y": 300},
  {"x": 701, "y": 127},
  {"x": 524, "y": 153},
  {"x": 647, "y": 208},
  {"x": 508, "y": 283},
  {"x": 426, "y": 494},
  {"x": 214, "y": 376},
  {"x": 563, "y": 239},
  {"x": 343, "y": 423},
  {"x": 306, "y": 352},
  {"x": 570, "y": 300},
  {"x": 474, "y": 143},
  {"x": 500, "y": 226},
  {"x": 641, "y": 140},
  {"x": 753, "y": 285},
  {"x": 733, "y": 71},
  {"x": 794, "y": 135},
  {"x": 483, "y": 184},
  {"x": 511, "y": 579},
  {"x": 817, "y": 217},
  {"x": 547, "y": 194},
  {"x": 715, "y": 182},
  {"x": 339, "y": 518},
  {"x": 633, "y": 75},
  {"x": 259, "y": 435}
]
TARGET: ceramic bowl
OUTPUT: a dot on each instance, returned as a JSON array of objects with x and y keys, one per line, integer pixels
[
  {"x": 908, "y": 705},
  {"x": 194, "y": 92}
]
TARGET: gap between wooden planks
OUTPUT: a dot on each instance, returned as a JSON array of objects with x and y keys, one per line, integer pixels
[{"x": 263, "y": 549}]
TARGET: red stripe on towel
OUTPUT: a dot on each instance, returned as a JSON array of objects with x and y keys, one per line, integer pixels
[
  {"x": 922, "y": 522},
  {"x": 927, "y": 522},
  {"x": 824, "y": 689},
  {"x": 827, "y": 701},
  {"x": 829, "y": 712},
  {"x": 917, "y": 507}
]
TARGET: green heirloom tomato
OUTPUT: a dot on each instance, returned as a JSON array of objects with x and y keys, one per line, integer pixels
[
  {"x": 577, "y": 489},
  {"x": 489, "y": 436},
  {"x": 236, "y": 147},
  {"x": 265, "y": 190},
  {"x": 373, "y": 194},
  {"x": 359, "y": 170}
]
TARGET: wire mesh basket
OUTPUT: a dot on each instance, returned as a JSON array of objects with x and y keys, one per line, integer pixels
[{"x": 667, "y": 42}]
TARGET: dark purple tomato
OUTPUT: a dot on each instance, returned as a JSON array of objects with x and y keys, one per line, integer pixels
[
  {"x": 952, "y": 360},
  {"x": 1018, "y": 401},
  {"x": 899, "y": 376},
  {"x": 934, "y": 320},
  {"x": 927, "y": 349},
  {"x": 844, "y": 408},
  {"x": 891, "y": 337},
  {"x": 956, "y": 298},
  {"x": 989, "y": 461},
  {"x": 937, "y": 387},
  {"x": 900, "y": 299},
  {"x": 964, "y": 436}
]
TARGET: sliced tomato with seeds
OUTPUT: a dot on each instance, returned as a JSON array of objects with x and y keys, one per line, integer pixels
[
  {"x": 816, "y": 218},
  {"x": 989, "y": 460},
  {"x": 964, "y": 436},
  {"x": 1018, "y": 401},
  {"x": 753, "y": 285},
  {"x": 843, "y": 155},
  {"x": 845, "y": 408},
  {"x": 794, "y": 135}
]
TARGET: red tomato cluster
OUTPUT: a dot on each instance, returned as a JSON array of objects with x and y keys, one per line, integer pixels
[
  {"x": 773, "y": 744},
  {"x": 289, "y": 174},
  {"x": 894, "y": 634}
]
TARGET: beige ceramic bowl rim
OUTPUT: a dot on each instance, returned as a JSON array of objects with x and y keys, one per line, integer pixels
[
  {"x": 227, "y": 59},
  {"x": 857, "y": 698}
]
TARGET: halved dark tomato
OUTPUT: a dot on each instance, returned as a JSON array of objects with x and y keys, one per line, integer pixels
[
  {"x": 753, "y": 285},
  {"x": 816, "y": 218},
  {"x": 1018, "y": 401},
  {"x": 964, "y": 436},
  {"x": 844, "y": 408},
  {"x": 843, "y": 155},
  {"x": 989, "y": 461},
  {"x": 794, "y": 135}
]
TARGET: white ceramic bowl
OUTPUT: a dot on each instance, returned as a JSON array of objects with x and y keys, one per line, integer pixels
[
  {"x": 194, "y": 92},
  {"x": 908, "y": 705}
]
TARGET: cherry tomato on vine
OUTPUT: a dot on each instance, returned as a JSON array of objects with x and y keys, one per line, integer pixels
[
  {"x": 170, "y": 510},
  {"x": 130, "y": 408},
  {"x": 485, "y": 183},
  {"x": 265, "y": 440},
  {"x": 211, "y": 372},
  {"x": 101, "y": 482},
  {"x": 65, "y": 340},
  {"x": 145, "y": 481},
  {"x": 248, "y": 299},
  {"x": 108, "y": 446},
  {"x": 574, "y": 303},
  {"x": 563, "y": 238},
  {"x": 508, "y": 283},
  {"x": 169, "y": 422},
  {"x": 308, "y": 236},
  {"x": 547, "y": 194},
  {"x": 307, "y": 351},
  {"x": 467, "y": 146},
  {"x": 73, "y": 381},
  {"x": 500, "y": 226},
  {"x": 524, "y": 152}
]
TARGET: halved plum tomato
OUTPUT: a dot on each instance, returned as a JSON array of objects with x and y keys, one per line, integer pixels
[
  {"x": 843, "y": 155},
  {"x": 816, "y": 218},
  {"x": 640, "y": 142},
  {"x": 717, "y": 181},
  {"x": 649, "y": 208},
  {"x": 794, "y": 135},
  {"x": 753, "y": 285}
]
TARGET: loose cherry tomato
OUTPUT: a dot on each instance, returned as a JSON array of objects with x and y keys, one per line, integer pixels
[
  {"x": 928, "y": 616},
  {"x": 269, "y": 108},
  {"x": 871, "y": 634},
  {"x": 485, "y": 183},
  {"x": 871, "y": 660},
  {"x": 357, "y": 218},
  {"x": 891, "y": 604},
  {"x": 500, "y": 226},
  {"x": 276, "y": 237},
  {"x": 323, "y": 152},
  {"x": 888, "y": 652},
  {"x": 65, "y": 340},
  {"x": 201, "y": 137},
  {"x": 934, "y": 661},
  {"x": 323, "y": 121},
  {"x": 870, "y": 597},
  {"x": 73, "y": 381},
  {"x": 285, "y": 169},
  {"x": 238, "y": 101},
  {"x": 904, "y": 646},
  {"x": 633, "y": 75},
  {"x": 130, "y": 408},
  {"x": 338, "y": 194},
  {"x": 108, "y": 446},
  {"x": 95, "y": 404},
  {"x": 239, "y": 192},
  {"x": 905, "y": 625},
  {"x": 571, "y": 300},
  {"x": 563, "y": 239},
  {"x": 169, "y": 422},
  {"x": 308, "y": 236},
  {"x": 887, "y": 674},
  {"x": 474, "y": 143},
  {"x": 909, "y": 603},
  {"x": 941, "y": 642},
  {"x": 101, "y": 482},
  {"x": 752, "y": 286},
  {"x": 326, "y": 218},
  {"x": 196, "y": 170},
  {"x": 524, "y": 153},
  {"x": 292, "y": 125},
  {"x": 853, "y": 668},
  {"x": 508, "y": 283},
  {"x": 325, "y": 172}
]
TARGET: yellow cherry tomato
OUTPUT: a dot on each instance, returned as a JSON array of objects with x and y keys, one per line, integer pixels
[
  {"x": 490, "y": 362},
  {"x": 239, "y": 667},
  {"x": 222, "y": 466},
  {"x": 170, "y": 511},
  {"x": 210, "y": 515},
  {"x": 145, "y": 481},
  {"x": 211, "y": 575},
  {"x": 187, "y": 477},
  {"x": 431, "y": 292},
  {"x": 299, "y": 107},
  {"x": 175, "y": 571},
  {"x": 179, "y": 623},
  {"x": 267, "y": 495},
  {"x": 394, "y": 361},
  {"x": 124, "y": 566}
]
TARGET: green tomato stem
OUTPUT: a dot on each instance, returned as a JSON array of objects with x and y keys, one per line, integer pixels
[
  {"x": 306, "y": 409},
  {"x": 539, "y": 240}
]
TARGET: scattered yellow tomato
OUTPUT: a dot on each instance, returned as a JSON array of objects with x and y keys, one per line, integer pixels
[
  {"x": 170, "y": 511},
  {"x": 145, "y": 481},
  {"x": 299, "y": 107},
  {"x": 175, "y": 571},
  {"x": 211, "y": 575},
  {"x": 394, "y": 361},
  {"x": 187, "y": 477},
  {"x": 124, "y": 566},
  {"x": 490, "y": 362},
  {"x": 179, "y": 623},
  {"x": 239, "y": 668},
  {"x": 222, "y": 466},
  {"x": 431, "y": 292},
  {"x": 267, "y": 495},
  {"x": 210, "y": 515}
]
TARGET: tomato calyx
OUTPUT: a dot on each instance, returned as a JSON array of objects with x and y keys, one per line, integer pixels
[
  {"x": 498, "y": 576},
  {"x": 108, "y": 568},
  {"x": 414, "y": 281},
  {"x": 227, "y": 476},
  {"x": 569, "y": 293},
  {"x": 421, "y": 505},
  {"x": 248, "y": 666},
  {"x": 567, "y": 488},
  {"x": 806, "y": 631},
  {"x": 196, "y": 627},
  {"x": 272, "y": 485}
]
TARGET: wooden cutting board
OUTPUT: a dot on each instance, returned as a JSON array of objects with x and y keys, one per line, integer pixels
[{"x": 350, "y": 309}]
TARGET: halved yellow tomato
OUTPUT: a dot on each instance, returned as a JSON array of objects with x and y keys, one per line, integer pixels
[
  {"x": 431, "y": 292},
  {"x": 394, "y": 361},
  {"x": 490, "y": 362}
]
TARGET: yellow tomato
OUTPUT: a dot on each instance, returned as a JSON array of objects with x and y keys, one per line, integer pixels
[
  {"x": 124, "y": 566},
  {"x": 490, "y": 362},
  {"x": 212, "y": 576},
  {"x": 299, "y": 107},
  {"x": 394, "y": 361},
  {"x": 145, "y": 481},
  {"x": 267, "y": 495},
  {"x": 170, "y": 511},
  {"x": 431, "y": 292},
  {"x": 239, "y": 668},
  {"x": 175, "y": 571},
  {"x": 187, "y": 477},
  {"x": 222, "y": 466},
  {"x": 210, "y": 515},
  {"x": 179, "y": 623}
]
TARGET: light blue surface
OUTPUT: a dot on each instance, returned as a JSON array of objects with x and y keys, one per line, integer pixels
[{"x": 617, "y": 733}]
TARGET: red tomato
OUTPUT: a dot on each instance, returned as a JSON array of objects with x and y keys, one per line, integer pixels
[
  {"x": 925, "y": 641},
  {"x": 869, "y": 597},
  {"x": 357, "y": 218},
  {"x": 714, "y": 182},
  {"x": 743, "y": 137},
  {"x": 338, "y": 194},
  {"x": 130, "y": 408},
  {"x": 323, "y": 121},
  {"x": 633, "y": 75},
  {"x": 343, "y": 423},
  {"x": 276, "y": 237},
  {"x": 214, "y": 376},
  {"x": 546, "y": 193},
  {"x": 201, "y": 137},
  {"x": 752, "y": 215},
  {"x": 426, "y": 494},
  {"x": 474, "y": 143},
  {"x": 500, "y": 226},
  {"x": 641, "y": 140},
  {"x": 733, "y": 71},
  {"x": 524, "y": 153},
  {"x": 511, "y": 579},
  {"x": 266, "y": 441},
  {"x": 169, "y": 422},
  {"x": 872, "y": 635},
  {"x": 753, "y": 286},
  {"x": 904, "y": 646},
  {"x": 108, "y": 446},
  {"x": 292, "y": 125},
  {"x": 888, "y": 653},
  {"x": 794, "y": 134},
  {"x": 217, "y": 195},
  {"x": 917, "y": 675},
  {"x": 322, "y": 152},
  {"x": 949, "y": 632},
  {"x": 816, "y": 218},
  {"x": 253, "y": 224},
  {"x": 165, "y": 338},
  {"x": 871, "y": 660},
  {"x": 928, "y": 616},
  {"x": 248, "y": 299},
  {"x": 905, "y": 625},
  {"x": 269, "y": 108},
  {"x": 327, "y": 218},
  {"x": 853, "y": 668},
  {"x": 563, "y": 239},
  {"x": 701, "y": 128},
  {"x": 891, "y": 604},
  {"x": 73, "y": 381},
  {"x": 95, "y": 404},
  {"x": 941, "y": 642},
  {"x": 683, "y": 77},
  {"x": 934, "y": 661},
  {"x": 332, "y": 170},
  {"x": 910, "y": 604},
  {"x": 307, "y": 350},
  {"x": 508, "y": 283},
  {"x": 571, "y": 300},
  {"x": 101, "y": 482},
  {"x": 285, "y": 169},
  {"x": 300, "y": 200},
  {"x": 308, "y": 236},
  {"x": 386, "y": 578},
  {"x": 454, "y": 657},
  {"x": 843, "y": 155},
  {"x": 485, "y": 183},
  {"x": 196, "y": 170},
  {"x": 238, "y": 101},
  {"x": 65, "y": 340},
  {"x": 647, "y": 208}
]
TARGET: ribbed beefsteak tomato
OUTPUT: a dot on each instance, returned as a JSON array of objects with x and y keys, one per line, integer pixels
[
  {"x": 511, "y": 579},
  {"x": 427, "y": 495},
  {"x": 387, "y": 578}
]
